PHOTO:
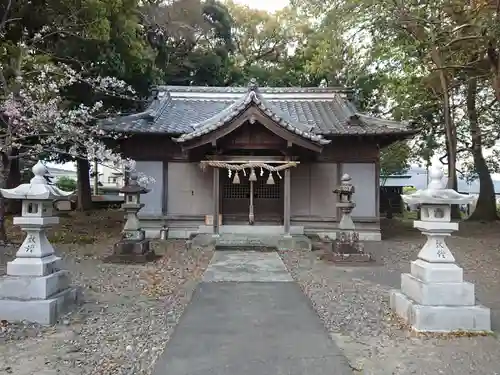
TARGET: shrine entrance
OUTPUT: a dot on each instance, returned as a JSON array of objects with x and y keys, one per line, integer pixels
[
  {"x": 237, "y": 199},
  {"x": 251, "y": 155}
]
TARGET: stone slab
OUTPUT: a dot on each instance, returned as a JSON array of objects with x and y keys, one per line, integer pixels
[
  {"x": 231, "y": 241},
  {"x": 39, "y": 311},
  {"x": 437, "y": 294},
  {"x": 250, "y": 329},
  {"x": 440, "y": 318},
  {"x": 34, "y": 266},
  {"x": 252, "y": 242},
  {"x": 35, "y": 221},
  {"x": 436, "y": 272},
  {"x": 269, "y": 230},
  {"x": 435, "y": 227},
  {"x": 245, "y": 266},
  {"x": 29, "y": 287}
]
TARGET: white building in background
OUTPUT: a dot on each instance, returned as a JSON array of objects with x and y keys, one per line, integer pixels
[
  {"x": 110, "y": 177},
  {"x": 56, "y": 173}
]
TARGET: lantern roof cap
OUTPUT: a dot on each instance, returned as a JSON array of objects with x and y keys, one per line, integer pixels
[
  {"x": 37, "y": 188},
  {"x": 133, "y": 186},
  {"x": 346, "y": 178},
  {"x": 436, "y": 192}
]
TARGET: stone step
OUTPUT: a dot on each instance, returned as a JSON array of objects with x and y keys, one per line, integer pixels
[{"x": 252, "y": 242}]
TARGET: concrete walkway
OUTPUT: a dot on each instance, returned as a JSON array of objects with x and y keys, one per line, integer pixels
[{"x": 248, "y": 317}]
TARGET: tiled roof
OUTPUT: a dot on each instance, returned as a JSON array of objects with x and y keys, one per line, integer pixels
[
  {"x": 232, "y": 111},
  {"x": 191, "y": 111}
]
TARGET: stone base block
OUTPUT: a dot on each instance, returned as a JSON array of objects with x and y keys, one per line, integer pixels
[
  {"x": 32, "y": 287},
  {"x": 438, "y": 294},
  {"x": 34, "y": 266},
  {"x": 132, "y": 251},
  {"x": 347, "y": 258},
  {"x": 294, "y": 243},
  {"x": 347, "y": 248},
  {"x": 440, "y": 318},
  {"x": 251, "y": 242},
  {"x": 436, "y": 272},
  {"x": 39, "y": 311},
  {"x": 323, "y": 246},
  {"x": 364, "y": 234}
]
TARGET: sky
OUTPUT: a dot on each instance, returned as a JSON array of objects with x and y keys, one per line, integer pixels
[{"x": 269, "y": 5}]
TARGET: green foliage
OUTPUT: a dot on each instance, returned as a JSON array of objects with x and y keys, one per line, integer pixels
[
  {"x": 66, "y": 183},
  {"x": 409, "y": 190},
  {"x": 394, "y": 159},
  {"x": 390, "y": 52}
]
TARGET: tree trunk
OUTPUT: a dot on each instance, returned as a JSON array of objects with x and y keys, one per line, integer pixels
[
  {"x": 486, "y": 207},
  {"x": 494, "y": 61},
  {"x": 96, "y": 177},
  {"x": 4, "y": 172},
  {"x": 14, "y": 180},
  {"x": 451, "y": 136},
  {"x": 83, "y": 185}
]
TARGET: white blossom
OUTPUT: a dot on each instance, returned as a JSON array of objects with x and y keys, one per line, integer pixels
[{"x": 35, "y": 110}]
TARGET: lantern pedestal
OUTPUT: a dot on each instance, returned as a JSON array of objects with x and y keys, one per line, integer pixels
[
  {"x": 346, "y": 248},
  {"x": 133, "y": 247},
  {"x": 132, "y": 251},
  {"x": 433, "y": 296},
  {"x": 35, "y": 288}
]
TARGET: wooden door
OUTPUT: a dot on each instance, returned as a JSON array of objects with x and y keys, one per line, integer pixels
[
  {"x": 268, "y": 200},
  {"x": 235, "y": 198}
]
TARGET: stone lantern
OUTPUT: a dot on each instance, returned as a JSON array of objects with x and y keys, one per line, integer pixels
[
  {"x": 434, "y": 297},
  {"x": 133, "y": 247},
  {"x": 347, "y": 247},
  {"x": 344, "y": 192},
  {"x": 35, "y": 288}
]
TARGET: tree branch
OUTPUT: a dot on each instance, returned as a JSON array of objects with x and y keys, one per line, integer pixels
[
  {"x": 4, "y": 20},
  {"x": 462, "y": 39}
]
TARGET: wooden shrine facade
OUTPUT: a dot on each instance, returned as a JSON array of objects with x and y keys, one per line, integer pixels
[{"x": 252, "y": 156}]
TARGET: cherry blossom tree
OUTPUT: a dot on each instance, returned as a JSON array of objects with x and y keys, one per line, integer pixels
[{"x": 35, "y": 117}]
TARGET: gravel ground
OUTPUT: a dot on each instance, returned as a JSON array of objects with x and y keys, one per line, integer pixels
[
  {"x": 128, "y": 314},
  {"x": 353, "y": 304},
  {"x": 129, "y": 311}
]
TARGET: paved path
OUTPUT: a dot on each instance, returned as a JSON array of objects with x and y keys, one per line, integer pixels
[{"x": 248, "y": 317}]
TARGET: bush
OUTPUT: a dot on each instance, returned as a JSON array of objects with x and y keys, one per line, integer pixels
[{"x": 66, "y": 183}]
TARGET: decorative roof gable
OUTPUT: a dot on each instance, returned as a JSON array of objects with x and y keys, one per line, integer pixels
[{"x": 234, "y": 110}]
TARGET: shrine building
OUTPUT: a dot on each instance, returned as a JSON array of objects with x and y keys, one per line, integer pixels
[{"x": 260, "y": 159}]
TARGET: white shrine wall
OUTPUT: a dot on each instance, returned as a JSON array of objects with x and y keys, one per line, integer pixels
[{"x": 182, "y": 196}]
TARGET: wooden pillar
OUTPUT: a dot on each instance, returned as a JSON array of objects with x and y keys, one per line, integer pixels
[
  {"x": 287, "y": 202},
  {"x": 216, "y": 200},
  {"x": 251, "y": 215}
]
